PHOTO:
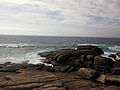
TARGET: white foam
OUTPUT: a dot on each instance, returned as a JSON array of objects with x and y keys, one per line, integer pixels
[
  {"x": 87, "y": 44},
  {"x": 115, "y": 48},
  {"x": 31, "y": 57},
  {"x": 20, "y": 45}
]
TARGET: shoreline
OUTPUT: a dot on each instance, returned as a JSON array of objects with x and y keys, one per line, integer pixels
[{"x": 83, "y": 69}]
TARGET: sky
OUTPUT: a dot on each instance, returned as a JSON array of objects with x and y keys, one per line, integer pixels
[{"x": 89, "y": 18}]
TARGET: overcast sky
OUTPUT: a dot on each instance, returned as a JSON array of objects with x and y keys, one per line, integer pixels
[{"x": 92, "y": 18}]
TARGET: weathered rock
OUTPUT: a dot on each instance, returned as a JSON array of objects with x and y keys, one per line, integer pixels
[
  {"x": 113, "y": 79},
  {"x": 57, "y": 68},
  {"x": 90, "y": 50},
  {"x": 48, "y": 68},
  {"x": 46, "y": 54},
  {"x": 73, "y": 81},
  {"x": 103, "y": 61},
  {"x": 54, "y": 63},
  {"x": 58, "y": 57},
  {"x": 115, "y": 71},
  {"x": 112, "y": 88},
  {"x": 118, "y": 54},
  {"x": 103, "y": 64},
  {"x": 7, "y": 77},
  {"x": 62, "y": 59},
  {"x": 32, "y": 80},
  {"x": 116, "y": 63},
  {"x": 102, "y": 78},
  {"x": 9, "y": 69},
  {"x": 65, "y": 68},
  {"x": 90, "y": 57},
  {"x": 88, "y": 73}
]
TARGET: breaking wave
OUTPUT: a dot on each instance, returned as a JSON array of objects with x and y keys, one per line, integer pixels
[{"x": 16, "y": 45}]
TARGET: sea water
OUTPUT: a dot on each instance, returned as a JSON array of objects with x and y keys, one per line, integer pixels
[{"x": 18, "y": 49}]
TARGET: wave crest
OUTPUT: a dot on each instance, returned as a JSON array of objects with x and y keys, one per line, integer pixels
[{"x": 16, "y": 45}]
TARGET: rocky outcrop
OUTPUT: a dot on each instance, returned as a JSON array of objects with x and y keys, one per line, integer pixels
[
  {"x": 73, "y": 69},
  {"x": 90, "y": 50},
  {"x": 88, "y": 73},
  {"x": 103, "y": 64}
]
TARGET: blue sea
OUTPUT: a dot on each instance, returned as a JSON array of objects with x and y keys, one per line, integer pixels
[{"x": 18, "y": 49}]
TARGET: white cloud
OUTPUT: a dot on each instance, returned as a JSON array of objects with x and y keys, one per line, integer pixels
[{"x": 64, "y": 15}]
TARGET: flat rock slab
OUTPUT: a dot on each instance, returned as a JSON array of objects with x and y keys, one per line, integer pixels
[
  {"x": 6, "y": 74},
  {"x": 43, "y": 80},
  {"x": 32, "y": 80}
]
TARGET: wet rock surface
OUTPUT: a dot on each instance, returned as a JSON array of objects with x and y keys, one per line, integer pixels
[{"x": 73, "y": 69}]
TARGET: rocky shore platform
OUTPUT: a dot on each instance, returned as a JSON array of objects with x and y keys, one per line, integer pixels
[{"x": 83, "y": 68}]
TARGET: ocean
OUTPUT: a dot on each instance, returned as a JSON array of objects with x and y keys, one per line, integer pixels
[{"x": 18, "y": 49}]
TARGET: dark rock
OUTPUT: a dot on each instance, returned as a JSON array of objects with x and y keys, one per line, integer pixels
[
  {"x": 115, "y": 71},
  {"x": 112, "y": 55},
  {"x": 103, "y": 64},
  {"x": 9, "y": 69},
  {"x": 45, "y": 54},
  {"x": 83, "y": 57},
  {"x": 39, "y": 66},
  {"x": 112, "y": 88},
  {"x": 116, "y": 63},
  {"x": 103, "y": 61},
  {"x": 118, "y": 54},
  {"x": 90, "y": 50},
  {"x": 57, "y": 68},
  {"x": 72, "y": 61},
  {"x": 65, "y": 68},
  {"x": 88, "y": 60},
  {"x": 48, "y": 68},
  {"x": 113, "y": 79},
  {"x": 61, "y": 56},
  {"x": 88, "y": 73},
  {"x": 71, "y": 69},
  {"x": 62, "y": 59},
  {"x": 90, "y": 57},
  {"x": 54, "y": 63}
]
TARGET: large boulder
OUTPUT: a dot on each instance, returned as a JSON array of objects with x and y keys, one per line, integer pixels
[
  {"x": 103, "y": 64},
  {"x": 102, "y": 78},
  {"x": 64, "y": 59},
  {"x": 88, "y": 73},
  {"x": 54, "y": 57},
  {"x": 90, "y": 50}
]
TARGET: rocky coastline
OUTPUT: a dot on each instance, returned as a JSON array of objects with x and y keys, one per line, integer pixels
[{"x": 83, "y": 68}]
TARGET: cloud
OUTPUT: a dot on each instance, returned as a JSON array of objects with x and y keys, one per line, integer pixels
[{"x": 60, "y": 14}]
